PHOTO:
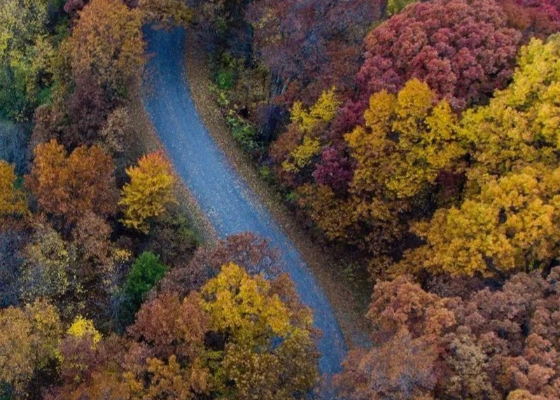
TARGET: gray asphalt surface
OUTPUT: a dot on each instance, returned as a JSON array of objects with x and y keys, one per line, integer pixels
[{"x": 219, "y": 190}]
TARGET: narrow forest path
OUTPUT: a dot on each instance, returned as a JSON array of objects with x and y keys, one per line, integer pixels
[{"x": 219, "y": 190}]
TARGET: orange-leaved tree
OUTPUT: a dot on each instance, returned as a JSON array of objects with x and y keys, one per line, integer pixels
[
  {"x": 70, "y": 186},
  {"x": 107, "y": 45}
]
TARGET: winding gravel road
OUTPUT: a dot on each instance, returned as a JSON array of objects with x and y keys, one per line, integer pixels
[{"x": 221, "y": 193}]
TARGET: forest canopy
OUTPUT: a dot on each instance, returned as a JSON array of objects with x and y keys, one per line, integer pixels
[{"x": 417, "y": 142}]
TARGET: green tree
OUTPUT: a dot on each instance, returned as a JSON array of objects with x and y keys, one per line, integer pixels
[
  {"x": 146, "y": 271},
  {"x": 25, "y": 54}
]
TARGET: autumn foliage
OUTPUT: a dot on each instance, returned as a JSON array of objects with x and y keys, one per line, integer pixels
[
  {"x": 406, "y": 142},
  {"x": 519, "y": 126},
  {"x": 149, "y": 191},
  {"x": 309, "y": 47},
  {"x": 508, "y": 222},
  {"x": 420, "y": 139},
  {"x": 534, "y": 18},
  {"x": 492, "y": 344},
  {"x": 29, "y": 340},
  {"x": 68, "y": 186},
  {"x": 510, "y": 226},
  {"x": 302, "y": 142},
  {"x": 241, "y": 337},
  {"x": 377, "y": 180},
  {"x": 12, "y": 199},
  {"x": 107, "y": 45},
  {"x": 247, "y": 250},
  {"x": 462, "y": 49}
]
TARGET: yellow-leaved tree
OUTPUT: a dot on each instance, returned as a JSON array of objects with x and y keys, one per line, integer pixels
[
  {"x": 308, "y": 123},
  {"x": 406, "y": 142},
  {"x": 12, "y": 199},
  {"x": 511, "y": 226},
  {"x": 521, "y": 125},
  {"x": 29, "y": 339},
  {"x": 332, "y": 215},
  {"x": 234, "y": 295},
  {"x": 270, "y": 345},
  {"x": 149, "y": 191},
  {"x": 82, "y": 327},
  {"x": 324, "y": 110}
]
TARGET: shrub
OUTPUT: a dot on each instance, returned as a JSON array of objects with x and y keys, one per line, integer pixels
[{"x": 146, "y": 271}]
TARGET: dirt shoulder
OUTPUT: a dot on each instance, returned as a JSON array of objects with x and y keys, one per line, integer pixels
[{"x": 348, "y": 307}]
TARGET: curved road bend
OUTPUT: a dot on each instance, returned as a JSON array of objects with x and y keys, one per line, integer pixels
[{"x": 220, "y": 192}]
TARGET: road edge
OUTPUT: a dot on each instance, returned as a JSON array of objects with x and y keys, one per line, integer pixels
[
  {"x": 197, "y": 75},
  {"x": 149, "y": 141}
]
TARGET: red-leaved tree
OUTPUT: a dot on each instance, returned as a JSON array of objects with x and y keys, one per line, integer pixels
[{"x": 463, "y": 49}]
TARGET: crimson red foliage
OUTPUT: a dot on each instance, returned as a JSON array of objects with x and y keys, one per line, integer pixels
[
  {"x": 533, "y": 17},
  {"x": 463, "y": 49},
  {"x": 334, "y": 170}
]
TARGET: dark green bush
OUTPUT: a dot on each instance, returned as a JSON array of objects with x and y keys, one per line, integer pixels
[
  {"x": 225, "y": 79},
  {"x": 146, "y": 271}
]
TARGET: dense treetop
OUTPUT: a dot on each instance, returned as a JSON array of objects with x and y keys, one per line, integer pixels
[
  {"x": 490, "y": 344},
  {"x": 25, "y": 54},
  {"x": 463, "y": 49}
]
